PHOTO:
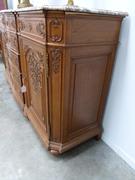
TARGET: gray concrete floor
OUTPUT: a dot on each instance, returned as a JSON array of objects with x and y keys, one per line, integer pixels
[{"x": 23, "y": 157}]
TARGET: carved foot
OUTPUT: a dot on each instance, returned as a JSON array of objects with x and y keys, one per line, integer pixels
[{"x": 54, "y": 152}]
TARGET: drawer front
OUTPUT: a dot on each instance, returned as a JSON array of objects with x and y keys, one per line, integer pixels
[
  {"x": 12, "y": 41},
  {"x": 10, "y": 22},
  {"x": 32, "y": 26},
  {"x": 93, "y": 29}
]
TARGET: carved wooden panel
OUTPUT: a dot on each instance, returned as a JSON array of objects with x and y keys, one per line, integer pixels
[
  {"x": 55, "y": 84},
  {"x": 12, "y": 41},
  {"x": 34, "y": 27},
  {"x": 56, "y": 57},
  {"x": 14, "y": 60},
  {"x": 11, "y": 23},
  {"x": 35, "y": 60},
  {"x": 36, "y": 80},
  {"x": 55, "y": 30}
]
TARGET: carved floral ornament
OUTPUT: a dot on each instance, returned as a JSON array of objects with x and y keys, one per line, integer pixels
[
  {"x": 25, "y": 26},
  {"x": 40, "y": 27},
  {"x": 35, "y": 61},
  {"x": 56, "y": 57}
]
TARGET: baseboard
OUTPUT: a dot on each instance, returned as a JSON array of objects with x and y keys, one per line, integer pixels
[{"x": 120, "y": 152}]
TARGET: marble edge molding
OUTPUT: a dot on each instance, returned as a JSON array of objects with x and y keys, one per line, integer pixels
[{"x": 69, "y": 9}]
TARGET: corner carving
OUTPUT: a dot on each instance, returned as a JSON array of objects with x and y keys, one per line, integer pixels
[
  {"x": 35, "y": 60},
  {"x": 56, "y": 57},
  {"x": 56, "y": 30}
]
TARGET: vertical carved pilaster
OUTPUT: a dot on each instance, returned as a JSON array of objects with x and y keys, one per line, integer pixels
[{"x": 56, "y": 57}]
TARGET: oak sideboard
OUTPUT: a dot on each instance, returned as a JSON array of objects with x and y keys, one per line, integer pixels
[{"x": 58, "y": 62}]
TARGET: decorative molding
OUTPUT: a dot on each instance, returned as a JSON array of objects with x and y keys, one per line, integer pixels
[
  {"x": 41, "y": 29},
  {"x": 56, "y": 30},
  {"x": 56, "y": 56},
  {"x": 35, "y": 61}
]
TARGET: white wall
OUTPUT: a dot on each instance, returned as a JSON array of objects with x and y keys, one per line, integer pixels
[
  {"x": 56, "y": 2},
  {"x": 119, "y": 118}
]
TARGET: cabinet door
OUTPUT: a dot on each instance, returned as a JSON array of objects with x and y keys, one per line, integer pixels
[
  {"x": 33, "y": 57},
  {"x": 86, "y": 85}
]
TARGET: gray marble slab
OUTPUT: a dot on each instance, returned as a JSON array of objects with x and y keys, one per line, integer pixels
[{"x": 70, "y": 9}]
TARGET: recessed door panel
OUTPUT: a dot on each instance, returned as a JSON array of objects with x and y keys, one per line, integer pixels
[{"x": 87, "y": 79}]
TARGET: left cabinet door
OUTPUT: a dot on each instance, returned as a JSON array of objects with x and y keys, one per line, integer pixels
[{"x": 34, "y": 73}]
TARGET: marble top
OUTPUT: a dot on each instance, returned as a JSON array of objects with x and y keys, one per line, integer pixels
[{"x": 69, "y": 9}]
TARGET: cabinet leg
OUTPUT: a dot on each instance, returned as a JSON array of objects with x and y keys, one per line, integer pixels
[
  {"x": 98, "y": 137},
  {"x": 54, "y": 152}
]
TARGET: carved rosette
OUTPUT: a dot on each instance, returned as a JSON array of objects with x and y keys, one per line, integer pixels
[
  {"x": 56, "y": 57},
  {"x": 35, "y": 61},
  {"x": 56, "y": 30},
  {"x": 40, "y": 28}
]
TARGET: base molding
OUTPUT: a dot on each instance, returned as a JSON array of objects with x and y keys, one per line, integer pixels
[{"x": 59, "y": 148}]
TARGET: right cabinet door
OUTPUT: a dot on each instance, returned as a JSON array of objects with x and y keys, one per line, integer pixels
[
  {"x": 89, "y": 75},
  {"x": 34, "y": 73}
]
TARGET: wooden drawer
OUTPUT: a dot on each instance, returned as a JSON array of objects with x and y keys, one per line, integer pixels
[
  {"x": 12, "y": 41},
  {"x": 91, "y": 29},
  {"x": 32, "y": 26},
  {"x": 10, "y": 22}
]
